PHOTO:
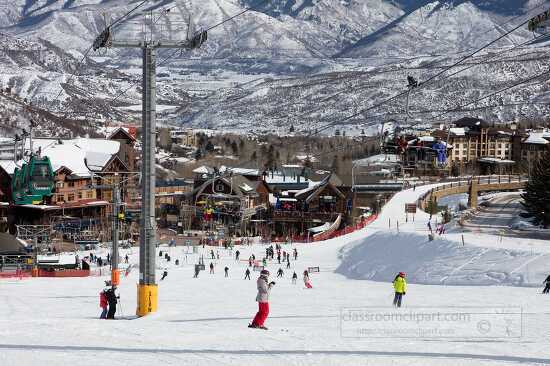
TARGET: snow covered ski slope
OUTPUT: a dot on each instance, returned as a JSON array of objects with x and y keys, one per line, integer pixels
[{"x": 203, "y": 321}]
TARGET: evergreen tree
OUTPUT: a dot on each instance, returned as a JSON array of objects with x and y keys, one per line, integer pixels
[
  {"x": 234, "y": 148},
  {"x": 537, "y": 192},
  {"x": 335, "y": 166},
  {"x": 209, "y": 146}
]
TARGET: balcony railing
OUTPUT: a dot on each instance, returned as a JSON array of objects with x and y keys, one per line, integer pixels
[{"x": 300, "y": 215}]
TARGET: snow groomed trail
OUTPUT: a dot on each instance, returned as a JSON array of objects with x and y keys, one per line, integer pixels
[{"x": 204, "y": 321}]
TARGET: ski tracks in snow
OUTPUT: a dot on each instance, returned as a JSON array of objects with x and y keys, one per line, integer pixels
[{"x": 470, "y": 261}]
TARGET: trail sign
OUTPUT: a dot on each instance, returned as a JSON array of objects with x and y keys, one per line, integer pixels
[{"x": 410, "y": 208}]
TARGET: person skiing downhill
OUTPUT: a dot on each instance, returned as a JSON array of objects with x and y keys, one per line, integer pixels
[
  {"x": 280, "y": 272},
  {"x": 103, "y": 304},
  {"x": 211, "y": 268},
  {"x": 400, "y": 287},
  {"x": 226, "y": 270},
  {"x": 264, "y": 288},
  {"x": 547, "y": 285},
  {"x": 247, "y": 274},
  {"x": 307, "y": 282},
  {"x": 294, "y": 278}
]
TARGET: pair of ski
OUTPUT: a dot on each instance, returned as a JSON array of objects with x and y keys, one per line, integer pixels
[{"x": 257, "y": 327}]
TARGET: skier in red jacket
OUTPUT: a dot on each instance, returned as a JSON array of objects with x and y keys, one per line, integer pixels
[{"x": 103, "y": 304}]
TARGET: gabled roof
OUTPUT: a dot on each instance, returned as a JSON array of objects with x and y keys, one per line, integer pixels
[
  {"x": 539, "y": 138},
  {"x": 123, "y": 131},
  {"x": 310, "y": 193}
]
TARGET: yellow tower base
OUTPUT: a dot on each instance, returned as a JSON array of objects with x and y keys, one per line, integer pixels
[{"x": 147, "y": 296}]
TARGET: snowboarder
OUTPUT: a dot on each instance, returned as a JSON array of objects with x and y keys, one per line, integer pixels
[
  {"x": 307, "y": 282},
  {"x": 294, "y": 278},
  {"x": 164, "y": 274},
  {"x": 264, "y": 288},
  {"x": 400, "y": 287},
  {"x": 280, "y": 272},
  {"x": 547, "y": 283},
  {"x": 247, "y": 274},
  {"x": 112, "y": 300},
  {"x": 226, "y": 270},
  {"x": 237, "y": 254},
  {"x": 295, "y": 254},
  {"x": 103, "y": 304},
  {"x": 211, "y": 268}
]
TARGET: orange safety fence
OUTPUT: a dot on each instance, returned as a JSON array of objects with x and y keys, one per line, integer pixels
[{"x": 347, "y": 230}]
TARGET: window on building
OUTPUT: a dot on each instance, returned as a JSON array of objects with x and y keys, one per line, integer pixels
[
  {"x": 70, "y": 184},
  {"x": 70, "y": 197},
  {"x": 79, "y": 195}
]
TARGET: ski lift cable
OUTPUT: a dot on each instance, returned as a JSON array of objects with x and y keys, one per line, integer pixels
[
  {"x": 173, "y": 53},
  {"x": 462, "y": 106},
  {"x": 420, "y": 85},
  {"x": 85, "y": 55},
  {"x": 534, "y": 77},
  {"x": 366, "y": 85}
]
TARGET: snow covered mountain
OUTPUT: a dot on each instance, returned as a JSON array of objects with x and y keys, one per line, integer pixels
[{"x": 276, "y": 65}]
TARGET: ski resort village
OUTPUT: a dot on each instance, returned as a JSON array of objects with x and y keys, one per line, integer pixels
[{"x": 274, "y": 182}]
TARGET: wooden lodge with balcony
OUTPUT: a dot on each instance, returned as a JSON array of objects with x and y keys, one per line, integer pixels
[{"x": 294, "y": 213}]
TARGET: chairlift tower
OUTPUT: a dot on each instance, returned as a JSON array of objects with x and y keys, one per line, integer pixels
[{"x": 147, "y": 292}]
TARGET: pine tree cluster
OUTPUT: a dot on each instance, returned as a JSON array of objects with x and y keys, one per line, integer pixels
[{"x": 537, "y": 192}]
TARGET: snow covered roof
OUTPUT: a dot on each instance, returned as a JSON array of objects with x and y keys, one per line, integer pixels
[
  {"x": 203, "y": 170},
  {"x": 245, "y": 171},
  {"x": 537, "y": 138},
  {"x": 72, "y": 153},
  {"x": 8, "y": 165},
  {"x": 380, "y": 159},
  {"x": 458, "y": 131},
  {"x": 495, "y": 160}
]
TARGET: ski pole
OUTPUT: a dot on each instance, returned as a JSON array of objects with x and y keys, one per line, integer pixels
[{"x": 120, "y": 308}]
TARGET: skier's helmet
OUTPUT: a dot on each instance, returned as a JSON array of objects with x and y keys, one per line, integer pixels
[
  {"x": 264, "y": 272},
  {"x": 402, "y": 274}
]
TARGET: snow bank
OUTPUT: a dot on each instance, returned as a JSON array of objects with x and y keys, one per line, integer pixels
[{"x": 381, "y": 255}]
